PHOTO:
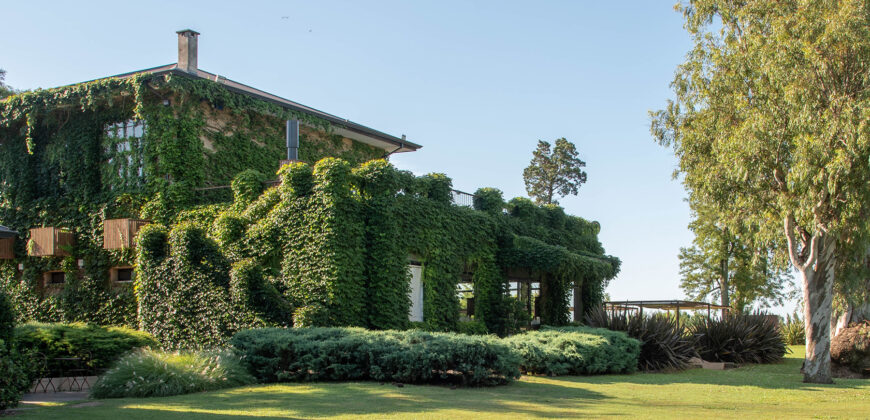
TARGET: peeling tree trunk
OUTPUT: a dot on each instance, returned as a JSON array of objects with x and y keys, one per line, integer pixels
[{"x": 818, "y": 292}]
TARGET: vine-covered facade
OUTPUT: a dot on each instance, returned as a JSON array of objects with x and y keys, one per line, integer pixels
[{"x": 330, "y": 245}]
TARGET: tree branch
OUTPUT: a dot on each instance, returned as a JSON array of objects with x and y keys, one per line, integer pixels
[
  {"x": 811, "y": 259},
  {"x": 792, "y": 247}
]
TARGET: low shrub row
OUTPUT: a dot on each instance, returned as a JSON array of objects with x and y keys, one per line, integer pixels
[
  {"x": 333, "y": 354},
  {"x": 576, "y": 351},
  {"x": 150, "y": 373},
  {"x": 97, "y": 346}
]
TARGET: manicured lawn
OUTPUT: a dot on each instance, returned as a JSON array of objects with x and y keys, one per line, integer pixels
[{"x": 763, "y": 391}]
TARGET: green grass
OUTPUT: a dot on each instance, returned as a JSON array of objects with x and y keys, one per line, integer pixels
[{"x": 757, "y": 391}]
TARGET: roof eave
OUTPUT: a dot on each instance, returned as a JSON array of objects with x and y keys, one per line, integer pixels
[{"x": 402, "y": 144}]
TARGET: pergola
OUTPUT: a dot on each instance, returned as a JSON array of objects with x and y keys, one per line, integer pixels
[{"x": 668, "y": 305}]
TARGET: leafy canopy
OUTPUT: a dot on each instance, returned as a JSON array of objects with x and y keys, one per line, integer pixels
[
  {"x": 554, "y": 171},
  {"x": 770, "y": 119},
  {"x": 732, "y": 265}
]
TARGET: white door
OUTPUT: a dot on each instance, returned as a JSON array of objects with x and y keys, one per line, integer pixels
[{"x": 416, "y": 314}]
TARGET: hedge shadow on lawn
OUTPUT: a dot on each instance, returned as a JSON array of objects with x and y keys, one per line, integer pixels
[
  {"x": 781, "y": 375},
  {"x": 361, "y": 398}
]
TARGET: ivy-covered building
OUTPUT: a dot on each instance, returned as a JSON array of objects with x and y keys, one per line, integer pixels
[{"x": 165, "y": 179}]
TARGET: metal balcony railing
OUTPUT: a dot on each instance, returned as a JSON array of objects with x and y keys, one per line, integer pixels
[{"x": 464, "y": 199}]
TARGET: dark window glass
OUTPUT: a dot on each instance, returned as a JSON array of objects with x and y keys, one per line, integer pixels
[
  {"x": 58, "y": 278},
  {"x": 125, "y": 274}
]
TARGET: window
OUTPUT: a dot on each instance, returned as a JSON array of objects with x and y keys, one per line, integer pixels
[
  {"x": 124, "y": 152},
  {"x": 56, "y": 277},
  {"x": 125, "y": 274},
  {"x": 127, "y": 129},
  {"x": 122, "y": 274}
]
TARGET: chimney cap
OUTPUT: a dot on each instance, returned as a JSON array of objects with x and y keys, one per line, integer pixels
[{"x": 185, "y": 31}]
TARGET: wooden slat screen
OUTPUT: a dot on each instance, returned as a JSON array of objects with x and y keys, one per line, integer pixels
[
  {"x": 121, "y": 233},
  {"x": 7, "y": 249}
]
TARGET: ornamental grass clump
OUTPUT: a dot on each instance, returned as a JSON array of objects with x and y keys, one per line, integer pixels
[
  {"x": 352, "y": 354},
  {"x": 739, "y": 339},
  {"x": 576, "y": 351},
  {"x": 664, "y": 343},
  {"x": 150, "y": 373},
  {"x": 793, "y": 330}
]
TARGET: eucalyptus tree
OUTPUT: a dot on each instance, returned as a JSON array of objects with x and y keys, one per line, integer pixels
[
  {"x": 554, "y": 170},
  {"x": 771, "y": 120},
  {"x": 730, "y": 264}
]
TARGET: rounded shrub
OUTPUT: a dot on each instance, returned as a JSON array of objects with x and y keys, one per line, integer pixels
[
  {"x": 341, "y": 354},
  {"x": 150, "y": 373},
  {"x": 851, "y": 348},
  {"x": 576, "y": 351}
]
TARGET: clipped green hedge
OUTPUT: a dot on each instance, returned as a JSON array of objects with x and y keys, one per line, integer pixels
[
  {"x": 576, "y": 351},
  {"x": 149, "y": 373},
  {"x": 337, "y": 354},
  {"x": 7, "y": 317},
  {"x": 14, "y": 376},
  {"x": 97, "y": 346}
]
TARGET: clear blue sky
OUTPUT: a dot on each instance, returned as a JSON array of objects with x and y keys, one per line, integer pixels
[{"x": 477, "y": 83}]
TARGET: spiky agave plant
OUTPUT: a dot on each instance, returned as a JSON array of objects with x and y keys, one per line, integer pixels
[
  {"x": 664, "y": 343},
  {"x": 750, "y": 338}
]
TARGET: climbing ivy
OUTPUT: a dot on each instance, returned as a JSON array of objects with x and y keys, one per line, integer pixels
[
  {"x": 386, "y": 261},
  {"x": 328, "y": 246},
  {"x": 59, "y": 167},
  {"x": 183, "y": 288}
]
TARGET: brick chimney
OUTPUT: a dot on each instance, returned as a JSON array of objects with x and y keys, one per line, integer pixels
[{"x": 187, "y": 40}]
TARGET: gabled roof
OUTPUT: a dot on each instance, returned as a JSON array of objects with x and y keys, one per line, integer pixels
[{"x": 342, "y": 126}]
